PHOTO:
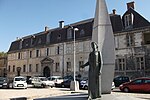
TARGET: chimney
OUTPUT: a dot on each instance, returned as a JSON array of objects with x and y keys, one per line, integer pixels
[
  {"x": 130, "y": 5},
  {"x": 61, "y": 24},
  {"x": 114, "y": 11},
  {"x": 46, "y": 28}
]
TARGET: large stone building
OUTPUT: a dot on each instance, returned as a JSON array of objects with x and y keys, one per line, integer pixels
[{"x": 51, "y": 52}]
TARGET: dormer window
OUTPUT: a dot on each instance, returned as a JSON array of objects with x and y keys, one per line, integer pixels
[
  {"x": 32, "y": 39},
  {"x": 69, "y": 33},
  {"x": 39, "y": 41},
  {"x": 82, "y": 32},
  {"x": 59, "y": 37},
  {"x": 128, "y": 21}
]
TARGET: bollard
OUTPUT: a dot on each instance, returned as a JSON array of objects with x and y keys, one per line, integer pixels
[{"x": 19, "y": 98}]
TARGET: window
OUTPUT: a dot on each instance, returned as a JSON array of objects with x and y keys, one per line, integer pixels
[
  {"x": 37, "y": 53},
  {"x": 116, "y": 64},
  {"x": 82, "y": 32},
  {"x": 138, "y": 81},
  {"x": 69, "y": 33},
  {"x": 19, "y": 55},
  {"x": 57, "y": 50},
  {"x": 30, "y": 67},
  {"x": 39, "y": 41},
  {"x": 147, "y": 81},
  {"x": 59, "y": 37},
  {"x": 121, "y": 64},
  {"x": 147, "y": 38},
  {"x": 69, "y": 48},
  {"x": 128, "y": 21},
  {"x": 81, "y": 69},
  {"x": 32, "y": 40},
  {"x": 57, "y": 68},
  {"x": 9, "y": 68},
  {"x": 13, "y": 68},
  {"x": 140, "y": 63},
  {"x": 37, "y": 67},
  {"x": 47, "y": 51},
  {"x": 68, "y": 66},
  {"x": 30, "y": 54},
  {"x": 24, "y": 68},
  {"x": 130, "y": 39}
]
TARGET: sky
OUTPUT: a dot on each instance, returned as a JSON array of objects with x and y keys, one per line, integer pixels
[{"x": 19, "y": 18}]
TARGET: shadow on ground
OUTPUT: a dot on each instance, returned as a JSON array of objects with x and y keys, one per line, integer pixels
[{"x": 66, "y": 97}]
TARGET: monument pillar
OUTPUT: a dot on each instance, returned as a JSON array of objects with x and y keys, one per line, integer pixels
[{"x": 103, "y": 35}]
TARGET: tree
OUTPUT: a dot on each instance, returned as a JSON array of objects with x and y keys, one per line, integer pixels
[{"x": 3, "y": 54}]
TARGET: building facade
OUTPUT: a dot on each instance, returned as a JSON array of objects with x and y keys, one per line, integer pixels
[
  {"x": 51, "y": 52},
  {"x": 3, "y": 66}
]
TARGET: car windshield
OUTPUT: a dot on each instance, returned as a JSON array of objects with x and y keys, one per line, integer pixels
[
  {"x": 54, "y": 78},
  {"x": 2, "y": 79},
  {"x": 19, "y": 79},
  {"x": 43, "y": 79}
]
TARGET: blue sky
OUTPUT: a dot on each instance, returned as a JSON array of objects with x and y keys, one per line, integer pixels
[{"x": 20, "y": 18}]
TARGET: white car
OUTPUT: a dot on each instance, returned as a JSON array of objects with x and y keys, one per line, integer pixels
[
  {"x": 56, "y": 79},
  {"x": 42, "y": 82},
  {"x": 19, "y": 82}
]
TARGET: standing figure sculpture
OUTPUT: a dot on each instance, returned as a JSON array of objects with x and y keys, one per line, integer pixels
[{"x": 94, "y": 74}]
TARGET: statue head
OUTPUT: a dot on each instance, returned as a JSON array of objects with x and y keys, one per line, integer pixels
[{"x": 94, "y": 46}]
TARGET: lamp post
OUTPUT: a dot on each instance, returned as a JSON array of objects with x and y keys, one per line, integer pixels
[
  {"x": 74, "y": 52},
  {"x": 74, "y": 84}
]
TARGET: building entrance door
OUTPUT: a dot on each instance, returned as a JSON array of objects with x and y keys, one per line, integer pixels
[{"x": 46, "y": 71}]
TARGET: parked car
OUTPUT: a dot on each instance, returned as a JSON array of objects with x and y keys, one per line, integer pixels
[
  {"x": 19, "y": 82},
  {"x": 84, "y": 85},
  {"x": 113, "y": 86},
  {"x": 120, "y": 79},
  {"x": 42, "y": 82},
  {"x": 137, "y": 85},
  {"x": 4, "y": 82},
  {"x": 56, "y": 79},
  {"x": 67, "y": 81}
]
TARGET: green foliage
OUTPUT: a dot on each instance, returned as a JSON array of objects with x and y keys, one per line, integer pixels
[{"x": 3, "y": 54}]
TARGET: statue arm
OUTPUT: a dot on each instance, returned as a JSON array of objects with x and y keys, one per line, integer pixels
[{"x": 84, "y": 65}]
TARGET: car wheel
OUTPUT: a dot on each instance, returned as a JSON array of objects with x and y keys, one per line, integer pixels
[
  {"x": 43, "y": 85},
  {"x": 85, "y": 87},
  {"x": 126, "y": 89},
  {"x": 63, "y": 85}
]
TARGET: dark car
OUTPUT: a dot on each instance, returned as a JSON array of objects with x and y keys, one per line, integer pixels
[
  {"x": 120, "y": 79},
  {"x": 4, "y": 82},
  {"x": 137, "y": 85},
  {"x": 67, "y": 81}
]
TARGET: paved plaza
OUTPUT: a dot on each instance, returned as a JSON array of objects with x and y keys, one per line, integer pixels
[{"x": 66, "y": 94}]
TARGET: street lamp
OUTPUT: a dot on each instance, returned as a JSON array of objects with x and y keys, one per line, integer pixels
[
  {"x": 74, "y": 52},
  {"x": 74, "y": 84}
]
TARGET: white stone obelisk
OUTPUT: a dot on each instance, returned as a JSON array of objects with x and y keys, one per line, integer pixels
[{"x": 103, "y": 35}]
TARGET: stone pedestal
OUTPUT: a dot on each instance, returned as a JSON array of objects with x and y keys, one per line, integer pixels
[{"x": 74, "y": 86}]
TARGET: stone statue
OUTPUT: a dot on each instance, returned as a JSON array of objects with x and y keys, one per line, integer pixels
[{"x": 94, "y": 75}]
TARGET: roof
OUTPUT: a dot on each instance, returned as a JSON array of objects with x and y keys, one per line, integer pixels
[
  {"x": 59, "y": 35},
  {"x": 138, "y": 20}
]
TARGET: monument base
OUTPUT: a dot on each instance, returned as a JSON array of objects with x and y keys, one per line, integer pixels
[
  {"x": 107, "y": 78},
  {"x": 74, "y": 86}
]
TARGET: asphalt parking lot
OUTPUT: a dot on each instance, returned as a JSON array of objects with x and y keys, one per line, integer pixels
[{"x": 34, "y": 93}]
